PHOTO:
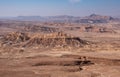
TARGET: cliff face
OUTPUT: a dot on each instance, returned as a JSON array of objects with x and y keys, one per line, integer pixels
[
  {"x": 58, "y": 39},
  {"x": 43, "y": 29},
  {"x": 15, "y": 37},
  {"x": 96, "y": 29}
]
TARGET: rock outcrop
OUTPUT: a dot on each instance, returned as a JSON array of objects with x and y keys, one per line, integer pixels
[
  {"x": 14, "y": 37},
  {"x": 96, "y": 29},
  {"x": 58, "y": 39},
  {"x": 43, "y": 29}
]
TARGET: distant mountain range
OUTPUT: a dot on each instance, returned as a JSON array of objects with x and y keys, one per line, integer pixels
[{"x": 93, "y": 18}]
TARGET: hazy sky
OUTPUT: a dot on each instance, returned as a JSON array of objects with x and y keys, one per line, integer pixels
[{"x": 59, "y": 7}]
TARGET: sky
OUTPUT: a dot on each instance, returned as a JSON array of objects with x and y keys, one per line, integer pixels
[{"x": 59, "y": 7}]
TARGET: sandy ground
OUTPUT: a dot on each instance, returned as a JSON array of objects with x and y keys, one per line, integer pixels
[{"x": 61, "y": 64}]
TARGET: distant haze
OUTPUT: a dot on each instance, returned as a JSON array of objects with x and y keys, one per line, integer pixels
[{"x": 59, "y": 7}]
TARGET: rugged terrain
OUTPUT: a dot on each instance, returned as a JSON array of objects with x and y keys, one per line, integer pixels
[{"x": 54, "y": 49}]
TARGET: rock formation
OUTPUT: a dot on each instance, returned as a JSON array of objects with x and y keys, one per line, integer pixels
[
  {"x": 57, "y": 39},
  {"x": 14, "y": 38}
]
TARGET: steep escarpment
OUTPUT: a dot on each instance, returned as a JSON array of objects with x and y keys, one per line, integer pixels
[
  {"x": 42, "y": 29},
  {"x": 14, "y": 38},
  {"x": 58, "y": 39}
]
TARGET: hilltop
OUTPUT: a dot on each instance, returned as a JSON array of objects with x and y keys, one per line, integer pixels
[{"x": 93, "y": 18}]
